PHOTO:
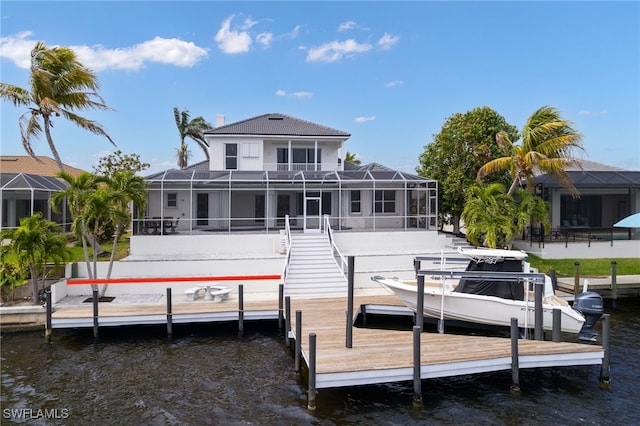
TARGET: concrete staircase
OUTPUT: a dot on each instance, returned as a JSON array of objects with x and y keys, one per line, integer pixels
[{"x": 313, "y": 272}]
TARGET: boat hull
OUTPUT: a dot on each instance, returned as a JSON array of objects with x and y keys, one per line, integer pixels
[{"x": 480, "y": 309}]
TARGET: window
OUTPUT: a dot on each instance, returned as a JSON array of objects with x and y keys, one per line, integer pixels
[
  {"x": 385, "y": 202},
  {"x": 250, "y": 150},
  {"x": 355, "y": 202},
  {"x": 231, "y": 156},
  {"x": 302, "y": 158},
  {"x": 172, "y": 199}
]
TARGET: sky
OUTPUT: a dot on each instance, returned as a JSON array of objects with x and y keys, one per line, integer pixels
[{"x": 388, "y": 73}]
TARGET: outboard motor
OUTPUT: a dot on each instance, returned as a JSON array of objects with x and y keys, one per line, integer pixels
[{"x": 591, "y": 306}]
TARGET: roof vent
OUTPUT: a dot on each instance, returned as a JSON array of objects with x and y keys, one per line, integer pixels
[{"x": 275, "y": 118}]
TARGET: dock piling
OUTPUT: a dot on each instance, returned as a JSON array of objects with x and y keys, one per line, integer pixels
[
  {"x": 311, "y": 404},
  {"x": 95, "y": 314},
  {"x": 350, "y": 277},
  {"x": 280, "y": 304},
  {"x": 576, "y": 278},
  {"x": 614, "y": 284},
  {"x": 417, "y": 377},
  {"x": 287, "y": 320},
  {"x": 47, "y": 330},
  {"x": 298, "y": 343},
  {"x": 605, "y": 369},
  {"x": 538, "y": 332},
  {"x": 420, "y": 303},
  {"x": 556, "y": 330},
  {"x": 515, "y": 366},
  {"x": 169, "y": 314},
  {"x": 240, "y": 309}
]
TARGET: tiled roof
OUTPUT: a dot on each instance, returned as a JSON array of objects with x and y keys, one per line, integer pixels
[
  {"x": 277, "y": 125},
  {"x": 42, "y": 166}
]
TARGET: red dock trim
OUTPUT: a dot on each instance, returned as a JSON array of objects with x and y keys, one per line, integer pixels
[{"x": 149, "y": 280}]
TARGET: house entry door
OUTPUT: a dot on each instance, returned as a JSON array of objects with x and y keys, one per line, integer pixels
[
  {"x": 202, "y": 209},
  {"x": 312, "y": 218}
]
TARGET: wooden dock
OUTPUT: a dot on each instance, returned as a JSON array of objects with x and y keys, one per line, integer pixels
[
  {"x": 625, "y": 285},
  {"x": 376, "y": 356}
]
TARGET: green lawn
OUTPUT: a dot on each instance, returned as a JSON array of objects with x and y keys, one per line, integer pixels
[{"x": 588, "y": 267}]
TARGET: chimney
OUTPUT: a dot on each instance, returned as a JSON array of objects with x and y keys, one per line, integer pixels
[{"x": 219, "y": 120}]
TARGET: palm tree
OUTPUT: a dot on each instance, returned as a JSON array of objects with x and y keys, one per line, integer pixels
[
  {"x": 489, "y": 215},
  {"x": 77, "y": 197},
  {"x": 351, "y": 158},
  {"x": 34, "y": 243},
  {"x": 129, "y": 188},
  {"x": 547, "y": 146},
  {"x": 192, "y": 128},
  {"x": 59, "y": 85}
]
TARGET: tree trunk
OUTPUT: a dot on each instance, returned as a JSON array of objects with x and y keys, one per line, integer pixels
[
  {"x": 34, "y": 282},
  {"x": 111, "y": 258},
  {"x": 54, "y": 151}
]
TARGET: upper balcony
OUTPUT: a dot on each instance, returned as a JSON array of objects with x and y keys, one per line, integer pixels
[{"x": 304, "y": 167}]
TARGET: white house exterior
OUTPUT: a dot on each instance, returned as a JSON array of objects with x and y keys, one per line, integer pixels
[{"x": 273, "y": 165}]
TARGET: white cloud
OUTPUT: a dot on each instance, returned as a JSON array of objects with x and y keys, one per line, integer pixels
[
  {"x": 167, "y": 51},
  {"x": 364, "y": 119},
  {"x": 296, "y": 95},
  {"x": 233, "y": 41},
  {"x": 335, "y": 50},
  {"x": 345, "y": 26},
  {"x": 387, "y": 41},
  {"x": 394, "y": 83},
  {"x": 593, "y": 113},
  {"x": 265, "y": 39}
]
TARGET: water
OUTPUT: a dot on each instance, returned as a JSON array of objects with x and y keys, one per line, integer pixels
[{"x": 210, "y": 375}]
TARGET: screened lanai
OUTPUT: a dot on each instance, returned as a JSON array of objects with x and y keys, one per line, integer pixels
[
  {"x": 370, "y": 197},
  {"x": 25, "y": 194}
]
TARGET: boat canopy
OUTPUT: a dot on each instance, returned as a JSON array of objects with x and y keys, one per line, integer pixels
[{"x": 505, "y": 289}]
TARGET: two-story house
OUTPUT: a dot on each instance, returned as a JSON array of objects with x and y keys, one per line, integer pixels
[{"x": 267, "y": 167}]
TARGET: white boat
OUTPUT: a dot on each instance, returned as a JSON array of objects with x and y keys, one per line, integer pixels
[{"x": 491, "y": 301}]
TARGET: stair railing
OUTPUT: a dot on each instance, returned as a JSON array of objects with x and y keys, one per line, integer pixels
[
  {"x": 337, "y": 255},
  {"x": 287, "y": 235}
]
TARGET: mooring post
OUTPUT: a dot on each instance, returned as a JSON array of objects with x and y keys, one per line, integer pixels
[
  {"x": 287, "y": 320},
  {"x": 554, "y": 279},
  {"x": 350, "y": 275},
  {"x": 240, "y": 309},
  {"x": 538, "y": 331},
  {"x": 280, "y": 304},
  {"x": 605, "y": 370},
  {"x": 417, "y": 377},
  {"x": 614, "y": 283},
  {"x": 576, "y": 278},
  {"x": 556, "y": 332},
  {"x": 420, "y": 303},
  {"x": 298, "y": 344},
  {"x": 95, "y": 314},
  {"x": 169, "y": 314},
  {"x": 47, "y": 330},
  {"x": 515, "y": 366},
  {"x": 311, "y": 404}
]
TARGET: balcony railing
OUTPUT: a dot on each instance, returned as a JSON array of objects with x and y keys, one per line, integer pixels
[{"x": 297, "y": 167}]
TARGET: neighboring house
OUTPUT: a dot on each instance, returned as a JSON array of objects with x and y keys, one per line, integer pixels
[
  {"x": 607, "y": 194},
  {"x": 26, "y": 185},
  {"x": 267, "y": 167}
]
